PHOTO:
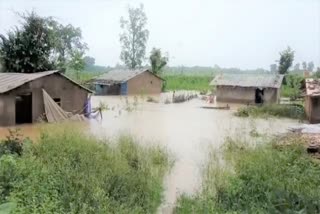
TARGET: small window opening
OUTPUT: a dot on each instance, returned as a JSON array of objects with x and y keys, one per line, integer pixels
[{"x": 58, "y": 101}]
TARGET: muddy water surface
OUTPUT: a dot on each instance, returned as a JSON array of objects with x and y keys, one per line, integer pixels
[{"x": 185, "y": 129}]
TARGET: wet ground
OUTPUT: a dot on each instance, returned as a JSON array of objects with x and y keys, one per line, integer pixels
[{"x": 185, "y": 130}]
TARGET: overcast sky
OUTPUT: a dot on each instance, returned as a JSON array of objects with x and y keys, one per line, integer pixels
[{"x": 231, "y": 33}]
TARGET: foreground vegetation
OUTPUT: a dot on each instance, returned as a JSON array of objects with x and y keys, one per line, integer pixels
[
  {"x": 292, "y": 86},
  {"x": 268, "y": 178},
  {"x": 273, "y": 110},
  {"x": 187, "y": 82},
  {"x": 68, "y": 172}
]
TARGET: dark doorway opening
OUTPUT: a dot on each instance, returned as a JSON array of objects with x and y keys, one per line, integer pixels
[
  {"x": 259, "y": 96},
  {"x": 24, "y": 109}
]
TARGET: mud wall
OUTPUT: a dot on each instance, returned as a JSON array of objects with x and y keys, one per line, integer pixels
[
  {"x": 72, "y": 97},
  {"x": 144, "y": 83},
  {"x": 244, "y": 94},
  {"x": 313, "y": 111}
]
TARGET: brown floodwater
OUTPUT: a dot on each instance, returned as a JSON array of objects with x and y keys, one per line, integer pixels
[{"x": 185, "y": 130}]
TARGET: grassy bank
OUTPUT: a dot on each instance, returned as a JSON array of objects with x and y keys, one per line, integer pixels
[
  {"x": 68, "y": 172},
  {"x": 268, "y": 178},
  {"x": 274, "y": 110},
  {"x": 187, "y": 82}
]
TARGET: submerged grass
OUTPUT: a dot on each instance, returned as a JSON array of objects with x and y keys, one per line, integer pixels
[
  {"x": 261, "y": 179},
  {"x": 69, "y": 172},
  {"x": 275, "y": 110}
]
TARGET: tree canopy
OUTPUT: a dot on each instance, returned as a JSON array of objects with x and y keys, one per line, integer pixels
[
  {"x": 310, "y": 66},
  {"x": 286, "y": 60},
  {"x": 296, "y": 67},
  {"x": 273, "y": 68},
  {"x": 39, "y": 44},
  {"x": 27, "y": 49},
  {"x": 134, "y": 37},
  {"x": 157, "y": 61},
  {"x": 88, "y": 60},
  {"x": 304, "y": 66}
]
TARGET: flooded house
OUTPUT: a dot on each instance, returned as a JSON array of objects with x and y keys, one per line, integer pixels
[
  {"x": 247, "y": 88},
  {"x": 23, "y": 96},
  {"x": 312, "y": 100},
  {"x": 127, "y": 82}
]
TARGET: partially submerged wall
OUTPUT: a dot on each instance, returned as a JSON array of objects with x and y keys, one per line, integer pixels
[
  {"x": 144, "y": 83},
  {"x": 72, "y": 97},
  {"x": 245, "y": 94}
]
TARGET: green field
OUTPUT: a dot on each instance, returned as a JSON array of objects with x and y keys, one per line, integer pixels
[
  {"x": 268, "y": 178},
  {"x": 187, "y": 82},
  {"x": 274, "y": 110},
  {"x": 69, "y": 172}
]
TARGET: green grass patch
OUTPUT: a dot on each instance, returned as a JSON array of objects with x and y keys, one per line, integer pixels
[
  {"x": 69, "y": 172},
  {"x": 261, "y": 179},
  {"x": 187, "y": 82},
  {"x": 273, "y": 110}
]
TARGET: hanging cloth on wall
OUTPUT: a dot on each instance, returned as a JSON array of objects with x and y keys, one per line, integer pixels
[{"x": 54, "y": 113}]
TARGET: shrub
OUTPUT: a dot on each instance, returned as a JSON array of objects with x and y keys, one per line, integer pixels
[
  {"x": 261, "y": 180},
  {"x": 69, "y": 172},
  {"x": 292, "y": 88},
  {"x": 180, "y": 98},
  {"x": 275, "y": 110},
  {"x": 13, "y": 143}
]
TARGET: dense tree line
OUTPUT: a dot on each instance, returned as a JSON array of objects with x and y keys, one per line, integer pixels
[{"x": 41, "y": 43}]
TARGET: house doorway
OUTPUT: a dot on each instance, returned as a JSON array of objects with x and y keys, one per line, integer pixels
[
  {"x": 259, "y": 96},
  {"x": 24, "y": 108}
]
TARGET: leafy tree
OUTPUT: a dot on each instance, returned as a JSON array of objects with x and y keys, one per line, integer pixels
[
  {"x": 293, "y": 86},
  {"x": 273, "y": 68},
  {"x": 40, "y": 44},
  {"x": 286, "y": 59},
  {"x": 297, "y": 67},
  {"x": 76, "y": 64},
  {"x": 67, "y": 42},
  {"x": 310, "y": 66},
  {"x": 27, "y": 49},
  {"x": 304, "y": 66},
  {"x": 157, "y": 61},
  {"x": 134, "y": 37},
  {"x": 88, "y": 60}
]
